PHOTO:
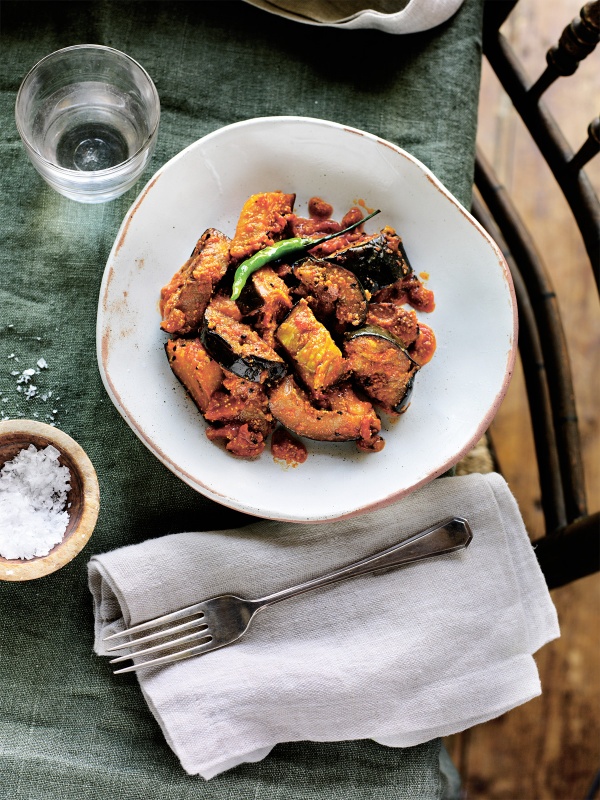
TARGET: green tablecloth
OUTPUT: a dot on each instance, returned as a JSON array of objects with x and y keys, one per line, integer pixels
[{"x": 68, "y": 728}]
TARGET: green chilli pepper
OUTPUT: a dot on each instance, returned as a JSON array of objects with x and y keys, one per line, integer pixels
[{"x": 279, "y": 250}]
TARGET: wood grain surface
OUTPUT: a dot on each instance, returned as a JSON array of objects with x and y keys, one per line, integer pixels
[{"x": 548, "y": 749}]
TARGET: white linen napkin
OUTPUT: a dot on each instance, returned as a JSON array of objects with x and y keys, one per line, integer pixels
[
  {"x": 402, "y": 657},
  {"x": 391, "y": 16}
]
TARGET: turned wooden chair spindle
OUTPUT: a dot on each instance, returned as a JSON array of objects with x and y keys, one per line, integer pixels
[{"x": 571, "y": 547}]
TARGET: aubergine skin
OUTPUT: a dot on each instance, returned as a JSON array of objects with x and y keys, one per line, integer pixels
[
  {"x": 382, "y": 333},
  {"x": 382, "y": 367},
  {"x": 401, "y": 407},
  {"x": 184, "y": 299},
  {"x": 250, "y": 367},
  {"x": 377, "y": 262},
  {"x": 258, "y": 291},
  {"x": 239, "y": 349},
  {"x": 348, "y": 418},
  {"x": 249, "y": 299}
]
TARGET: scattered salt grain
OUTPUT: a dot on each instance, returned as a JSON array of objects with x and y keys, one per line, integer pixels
[
  {"x": 26, "y": 375},
  {"x": 33, "y": 497},
  {"x": 29, "y": 391}
]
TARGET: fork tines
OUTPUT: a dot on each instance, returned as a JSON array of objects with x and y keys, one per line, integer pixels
[{"x": 160, "y": 629}]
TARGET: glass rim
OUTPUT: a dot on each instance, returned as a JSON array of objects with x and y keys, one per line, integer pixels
[{"x": 65, "y": 170}]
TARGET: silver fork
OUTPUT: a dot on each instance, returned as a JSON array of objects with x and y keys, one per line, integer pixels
[{"x": 223, "y": 620}]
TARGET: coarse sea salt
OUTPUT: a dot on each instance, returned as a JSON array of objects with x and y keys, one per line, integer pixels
[{"x": 33, "y": 498}]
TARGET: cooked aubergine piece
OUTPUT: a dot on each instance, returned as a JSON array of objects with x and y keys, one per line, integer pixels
[
  {"x": 239, "y": 415},
  {"x": 346, "y": 417},
  {"x": 377, "y": 261},
  {"x": 264, "y": 288},
  {"x": 196, "y": 370},
  {"x": 225, "y": 305},
  {"x": 266, "y": 299},
  {"x": 261, "y": 223},
  {"x": 381, "y": 366},
  {"x": 239, "y": 349},
  {"x": 401, "y": 322},
  {"x": 184, "y": 299},
  {"x": 401, "y": 407},
  {"x": 317, "y": 358},
  {"x": 240, "y": 401},
  {"x": 337, "y": 293}
]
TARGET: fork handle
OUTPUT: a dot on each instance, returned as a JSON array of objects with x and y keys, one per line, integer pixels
[{"x": 446, "y": 537}]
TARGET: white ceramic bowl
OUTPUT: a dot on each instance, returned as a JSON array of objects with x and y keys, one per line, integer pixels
[{"x": 456, "y": 395}]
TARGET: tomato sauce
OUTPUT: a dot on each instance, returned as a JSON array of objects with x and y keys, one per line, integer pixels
[
  {"x": 288, "y": 448},
  {"x": 424, "y": 347}
]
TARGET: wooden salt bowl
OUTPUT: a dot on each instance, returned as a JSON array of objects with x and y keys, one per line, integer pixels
[{"x": 84, "y": 496}]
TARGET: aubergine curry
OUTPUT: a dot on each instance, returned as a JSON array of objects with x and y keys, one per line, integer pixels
[{"x": 297, "y": 325}]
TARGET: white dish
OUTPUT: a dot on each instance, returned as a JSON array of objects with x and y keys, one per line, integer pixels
[{"x": 456, "y": 395}]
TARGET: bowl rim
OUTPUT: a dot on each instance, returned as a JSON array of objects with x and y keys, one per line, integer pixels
[{"x": 65, "y": 551}]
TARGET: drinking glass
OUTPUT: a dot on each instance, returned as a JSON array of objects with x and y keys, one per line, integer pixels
[{"x": 88, "y": 116}]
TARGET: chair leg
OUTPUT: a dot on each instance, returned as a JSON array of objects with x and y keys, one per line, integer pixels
[{"x": 571, "y": 553}]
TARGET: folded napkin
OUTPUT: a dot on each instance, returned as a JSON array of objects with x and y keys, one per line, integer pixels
[
  {"x": 393, "y": 16},
  {"x": 402, "y": 657}
]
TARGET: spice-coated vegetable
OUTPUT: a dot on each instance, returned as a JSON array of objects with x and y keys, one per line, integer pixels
[
  {"x": 377, "y": 262},
  {"x": 238, "y": 415},
  {"x": 376, "y": 331},
  {"x": 239, "y": 349},
  {"x": 184, "y": 299},
  {"x": 195, "y": 369},
  {"x": 281, "y": 249},
  {"x": 262, "y": 221},
  {"x": 264, "y": 300},
  {"x": 381, "y": 366},
  {"x": 347, "y": 417},
  {"x": 334, "y": 293},
  {"x": 316, "y": 357}
]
